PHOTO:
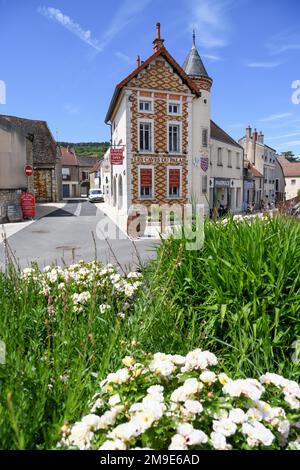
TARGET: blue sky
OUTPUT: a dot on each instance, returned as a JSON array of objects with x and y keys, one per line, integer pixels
[{"x": 61, "y": 59}]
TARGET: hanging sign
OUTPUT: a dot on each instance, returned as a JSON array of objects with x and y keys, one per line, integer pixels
[
  {"x": 204, "y": 164},
  {"x": 116, "y": 156}
]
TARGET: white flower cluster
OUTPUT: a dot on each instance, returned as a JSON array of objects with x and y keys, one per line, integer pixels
[
  {"x": 82, "y": 280},
  {"x": 176, "y": 402}
]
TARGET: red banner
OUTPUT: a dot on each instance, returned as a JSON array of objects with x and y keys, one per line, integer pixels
[
  {"x": 174, "y": 178},
  {"x": 27, "y": 202},
  {"x": 116, "y": 156},
  {"x": 146, "y": 177}
]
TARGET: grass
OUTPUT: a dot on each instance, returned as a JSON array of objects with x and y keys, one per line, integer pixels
[{"x": 238, "y": 297}]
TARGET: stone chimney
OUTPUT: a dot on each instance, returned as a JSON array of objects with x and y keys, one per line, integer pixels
[
  {"x": 248, "y": 132},
  {"x": 254, "y": 136},
  {"x": 158, "y": 43},
  {"x": 138, "y": 61},
  {"x": 260, "y": 137},
  {"x": 254, "y": 139}
]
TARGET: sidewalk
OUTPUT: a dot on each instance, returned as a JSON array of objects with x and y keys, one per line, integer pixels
[{"x": 42, "y": 209}]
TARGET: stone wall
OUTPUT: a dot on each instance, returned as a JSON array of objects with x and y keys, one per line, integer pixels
[{"x": 7, "y": 197}]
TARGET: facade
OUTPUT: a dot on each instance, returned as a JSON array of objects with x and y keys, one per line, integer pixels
[
  {"x": 15, "y": 153},
  {"x": 287, "y": 179},
  {"x": 160, "y": 119},
  {"x": 46, "y": 159},
  {"x": 259, "y": 160},
  {"x": 75, "y": 173}
]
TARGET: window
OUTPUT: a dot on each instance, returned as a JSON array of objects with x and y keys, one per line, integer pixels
[
  {"x": 66, "y": 173},
  {"x": 229, "y": 158},
  {"x": 145, "y": 136},
  {"x": 237, "y": 160},
  {"x": 204, "y": 138},
  {"x": 204, "y": 184},
  {"x": 174, "y": 182},
  {"x": 220, "y": 157},
  {"x": 146, "y": 183},
  {"x": 174, "y": 138},
  {"x": 145, "y": 106},
  {"x": 293, "y": 181},
  {"x": 174, "y": 108}
]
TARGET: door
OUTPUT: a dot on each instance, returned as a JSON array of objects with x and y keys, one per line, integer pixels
[
  {"x": 42, "y": 182},
  {"x": 66, "y": 191}
]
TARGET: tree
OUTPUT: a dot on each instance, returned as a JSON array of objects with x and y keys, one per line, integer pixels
[{"x": 290, "y": 156}]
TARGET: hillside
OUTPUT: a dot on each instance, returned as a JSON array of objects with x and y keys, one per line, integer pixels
[{"x": 87, "y": 148}]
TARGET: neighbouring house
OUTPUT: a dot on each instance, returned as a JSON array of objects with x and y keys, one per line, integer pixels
[
  {"x": 287, "y": 179},
  {"x": 173, "y": 153},
  {"x": 261, "y": 158},
  {"x": 75, "y": 173},
  {"x": 95, "y": 175},
  {"x": 15, "y": 152},
  {"x": 46, "y": 158}
]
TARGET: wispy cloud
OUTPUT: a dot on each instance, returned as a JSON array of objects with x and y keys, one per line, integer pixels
[
  {"x": 263, "y": 65},
  {"x": 284, "y": 136},
  {"x": 284, "y": 42},
  {"x": 71, "y": 108},
  {"x": 123, "y": 16},
  {"x": 124, "y": 58},
  {"x": 214, "y": 58},
  {"x": 210, "y": 19},
  {"x": 68, "y": 23},
  {"x": 276, "y": 117},
  {"x": 292, "y": 142}
]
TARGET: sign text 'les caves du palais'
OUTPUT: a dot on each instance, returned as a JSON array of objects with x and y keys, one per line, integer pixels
[{"x": 116, "y": 156}]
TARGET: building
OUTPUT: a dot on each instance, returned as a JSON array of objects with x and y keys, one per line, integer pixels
[
  {"x": 287, "y": 179},
  {"x": 15, "y": 152},
  {"x": 160, "y": 121},
  {"x": 75, "y": 173},
  {"x": 46, "y": 159},
  {"x": 259, "y": 159}
]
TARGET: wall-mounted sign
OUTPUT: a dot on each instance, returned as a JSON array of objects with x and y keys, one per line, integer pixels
[
  {"x": 106, "y": 167},
  {"x": 204, "y": 163},
  {"x": 116, "y": 156},
  {"x": 174, "y": 177},
  {"x": 219, "y": 183},
  {"x": 146, "y": 177}
]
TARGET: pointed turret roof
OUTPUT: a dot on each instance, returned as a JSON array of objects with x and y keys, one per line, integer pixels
[{"x": 193, "y": 65}]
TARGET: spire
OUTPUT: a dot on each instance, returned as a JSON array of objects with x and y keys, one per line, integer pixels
[{"x": 193, "y": 65}]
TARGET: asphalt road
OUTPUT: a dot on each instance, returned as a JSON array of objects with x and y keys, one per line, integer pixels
[{"x": 74, "y": 232}]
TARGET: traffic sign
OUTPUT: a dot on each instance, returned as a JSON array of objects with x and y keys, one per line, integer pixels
[{"x": 28, "y": 169}]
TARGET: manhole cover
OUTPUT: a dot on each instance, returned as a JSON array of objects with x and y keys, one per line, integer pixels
[{"x": 67, "y": 248}]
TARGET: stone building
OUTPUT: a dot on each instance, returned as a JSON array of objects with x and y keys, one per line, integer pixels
[
  {"x": 160, "y": 120},
  {"x": 47, "y": 180},
  {"x": 287, "y": 179},
  {"x": 260, "y": 160},
  {"x": 75, "y": 173},
  {"x": 15, "y": 153}
]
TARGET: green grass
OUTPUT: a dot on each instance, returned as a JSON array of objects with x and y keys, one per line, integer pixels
[{"x": 238, "y": 297}]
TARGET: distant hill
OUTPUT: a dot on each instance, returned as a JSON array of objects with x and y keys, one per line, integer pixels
[{"x": 87, "y": 149}]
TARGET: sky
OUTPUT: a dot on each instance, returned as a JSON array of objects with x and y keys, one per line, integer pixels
[{"x": 61, "y": 59}]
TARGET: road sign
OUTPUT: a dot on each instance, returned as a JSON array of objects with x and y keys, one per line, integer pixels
[
  {"x": 27, "y": 201},
  {"x": 28, "y": 169}
]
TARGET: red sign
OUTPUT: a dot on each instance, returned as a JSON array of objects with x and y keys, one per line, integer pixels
[
  {"x": 146, "y": 177},
  {"x": 174, "y": 178},
  {"x": 116, "y": 156},
  {"x": 28, "y": 170},
  {"x": 27, "y": 202}
]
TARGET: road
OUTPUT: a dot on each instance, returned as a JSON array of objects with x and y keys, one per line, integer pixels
[{"x": 74, "y": 232}]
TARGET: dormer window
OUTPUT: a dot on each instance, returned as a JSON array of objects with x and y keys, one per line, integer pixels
[
  {"x": 145, "y": 106},
  {"x": 174, "y": 108}
]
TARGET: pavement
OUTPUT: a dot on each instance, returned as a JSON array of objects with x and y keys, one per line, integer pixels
[{"x": 69, "y": 231}]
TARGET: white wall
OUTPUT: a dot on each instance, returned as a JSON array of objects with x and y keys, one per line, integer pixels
[{"x": 291, "y": 189}]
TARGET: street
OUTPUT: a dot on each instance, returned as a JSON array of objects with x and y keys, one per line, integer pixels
[{"x": 71, "y": 233}]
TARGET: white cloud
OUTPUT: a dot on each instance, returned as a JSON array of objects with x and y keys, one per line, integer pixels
[
  {"x": 211, "y": 22},
  {"x": 71, "y": 108},
  {"x": 123, "y": 16},
  {"x": 124, "y": 58},
  {"x": 67, "y": 22},
  {"x": 214, "y": 58},
  {"x": 284, "y": 42},
  {"x": 285, "y": 136},
  {"x": 292, "y": 142},
  {"x": 276, "y": 117},
  {"x": 263, "y": 64}
]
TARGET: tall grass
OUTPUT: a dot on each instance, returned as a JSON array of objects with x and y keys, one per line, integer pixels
[{"x": 239, "y": 296}]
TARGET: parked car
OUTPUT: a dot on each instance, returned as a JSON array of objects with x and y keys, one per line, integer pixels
[{"x": 96, "y": 195}]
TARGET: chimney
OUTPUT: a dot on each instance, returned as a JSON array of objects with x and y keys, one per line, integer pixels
[
  {"x": 254, "y": 135},
  {"x": 260, "y": 137},
  {"x": 158, "y": 43},
  {"x": 254, "y": 139},
  {"x": 138, "y": 61},
  {"x": 248, "y": 132}
]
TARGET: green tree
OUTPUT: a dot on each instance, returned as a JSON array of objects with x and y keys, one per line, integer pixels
[{"x": 290, "y": 156}]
